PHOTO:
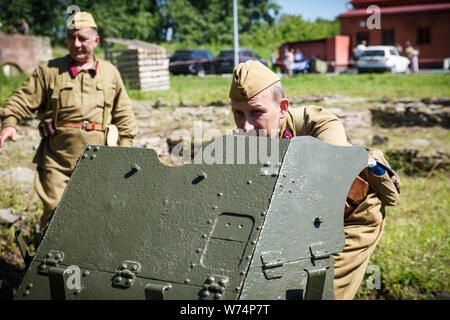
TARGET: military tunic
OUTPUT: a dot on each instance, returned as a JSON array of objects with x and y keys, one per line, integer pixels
[
  {"x": 82, "y": 95},
  {"x": 364, "y": 226}
]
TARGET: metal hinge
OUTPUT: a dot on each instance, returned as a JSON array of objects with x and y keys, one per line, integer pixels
[
  {"x": 319, "y": 250},
  {"x": 315, "y": 283},
  {"x": 61, "y": 285},
  {"x": 126, "y": 273},
  {"x": 155, "y": 291},
  {"x": 272, "y": 264},
  {"x": 316, "y": 275},
  {"x": 23, "y": 246},
  {"x": 58, "y": 276},
  {"x": 52, "y": 259}
]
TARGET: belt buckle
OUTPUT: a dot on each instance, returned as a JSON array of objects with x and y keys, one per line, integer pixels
[{"x": 84, "y": 123}]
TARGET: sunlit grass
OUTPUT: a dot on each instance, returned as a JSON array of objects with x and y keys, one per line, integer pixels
[
  {"x": 414, "y": 252},
  {"x": 369, "y": 86}
]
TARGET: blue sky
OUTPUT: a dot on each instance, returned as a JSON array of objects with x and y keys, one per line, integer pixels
[{"x": 311, "y": 10}]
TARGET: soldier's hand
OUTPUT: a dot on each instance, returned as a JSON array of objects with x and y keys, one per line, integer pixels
[{"x": 7, "y": 133}]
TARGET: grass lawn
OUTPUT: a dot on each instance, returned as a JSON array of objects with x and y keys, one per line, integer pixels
[
  {"x": 414, "y": 252},
  {"x": 9, "y": 84},
  {"x": 372, "y": 86},
  {"x": 216, "y": 87}
]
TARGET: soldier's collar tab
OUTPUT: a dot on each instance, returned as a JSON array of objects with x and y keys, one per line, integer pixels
[
  {"x": 74, "y": 69},
  {"x": 287, "y": 134}
]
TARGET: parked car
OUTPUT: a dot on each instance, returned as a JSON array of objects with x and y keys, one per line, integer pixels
[
  {"x": 199, "y": 62},
  {"x": 382, "y": 58},
  {"x": 225, "y": 59}
]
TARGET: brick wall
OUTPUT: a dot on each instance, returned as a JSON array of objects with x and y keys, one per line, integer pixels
[{"x": 25, "y": 52}]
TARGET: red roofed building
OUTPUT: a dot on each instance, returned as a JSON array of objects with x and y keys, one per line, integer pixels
[{"x": 425, "y": 23}]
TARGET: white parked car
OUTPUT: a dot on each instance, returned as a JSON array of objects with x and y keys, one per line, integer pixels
[{"x": 382, "y": 58}]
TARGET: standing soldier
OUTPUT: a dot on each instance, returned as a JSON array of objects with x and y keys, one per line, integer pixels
[
  {"x": 80, "y": 100},
  {"x": 258, "y": 104}
]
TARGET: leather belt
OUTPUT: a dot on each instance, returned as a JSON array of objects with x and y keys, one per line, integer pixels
[{"x": 85, "y": 125}]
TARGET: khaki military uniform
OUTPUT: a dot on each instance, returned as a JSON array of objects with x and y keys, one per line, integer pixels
[
  {"x": 68, "y": 95},
  {"x": 364, "y": 223}
]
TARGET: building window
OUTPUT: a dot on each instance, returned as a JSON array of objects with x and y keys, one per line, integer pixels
[
  {"x": 388, "y": 37},
  {"x": 424, "y": 35}
]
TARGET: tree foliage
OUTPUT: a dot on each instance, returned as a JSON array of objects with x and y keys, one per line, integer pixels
[
  {"x": 191, "y": 22},
  {"x": 44, "y": 16}
]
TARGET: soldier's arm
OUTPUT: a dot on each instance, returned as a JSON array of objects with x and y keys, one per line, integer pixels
[
  {"x": 7, "y": 133},
  {"x": 21, "y": 104},
  {"x": 325, "y": 126},
  {"x": 384, "y": 185},
  {"x": 122, "y": 114},
  {"x": 24, "y": 101}
]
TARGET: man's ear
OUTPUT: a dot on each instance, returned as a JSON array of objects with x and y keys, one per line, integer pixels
[{"x": 284, "y": 105}]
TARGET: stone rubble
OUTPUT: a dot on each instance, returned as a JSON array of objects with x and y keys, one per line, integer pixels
[
  {"x": 7, "y": 217},
  {"x": 160, "y": 122},
  {"x": 432, "y": 112}
]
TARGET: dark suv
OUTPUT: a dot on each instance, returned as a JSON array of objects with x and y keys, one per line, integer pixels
[
  {"x": 199, "y": 62},
  {"x": 225, "y": 59}
]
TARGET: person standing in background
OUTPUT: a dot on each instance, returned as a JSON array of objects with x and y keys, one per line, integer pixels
[
  {"x": 286, "y": 62},
  {"x": 413, "y": 56},
  {"x": 11, "y": 29},
  {"x": 360, "y": 49},
  {"x": 273, "y": 60},
  {"x": 298, "y": 56},
  {"x": 24, "y": 28}
]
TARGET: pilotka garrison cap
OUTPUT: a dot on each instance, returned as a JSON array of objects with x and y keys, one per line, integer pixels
[
  {"x": 83, "y": 20},
  {"x": 249, "y": 79}
]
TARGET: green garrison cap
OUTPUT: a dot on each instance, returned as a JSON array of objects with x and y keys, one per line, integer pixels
[
  {"x": 249, "y": 79},
  {"x": 83, "y": 20}
]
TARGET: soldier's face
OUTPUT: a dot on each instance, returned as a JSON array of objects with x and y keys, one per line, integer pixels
[
  {"x": 260, "y": 115},
  {"x": 81, "y": 44}
]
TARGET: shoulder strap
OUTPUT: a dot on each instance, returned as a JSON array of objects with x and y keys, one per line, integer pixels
[
  {"x": 107, "y": 103},
  {"x": 299, "y": 118},
  {"x": 55, "y": 97}
]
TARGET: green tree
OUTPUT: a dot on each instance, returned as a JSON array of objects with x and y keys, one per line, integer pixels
[
  {"x": 114, "y": 18},
  {"x": 294, "y": 28},
  {"x": 125, "y": 19},
  {"x": 211, "y": 21},
  {"x": 43, "y": 16},
  {"x": 193, "y": 22}
]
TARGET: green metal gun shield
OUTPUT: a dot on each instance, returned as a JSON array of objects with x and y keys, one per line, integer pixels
[
  {"x": 129, "y": 227},
  {"x": 305, "y": 220}
]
